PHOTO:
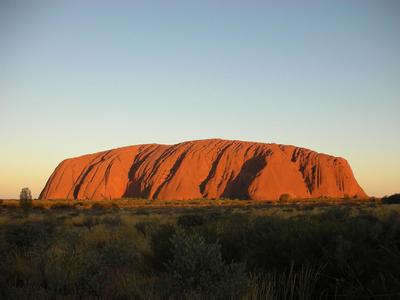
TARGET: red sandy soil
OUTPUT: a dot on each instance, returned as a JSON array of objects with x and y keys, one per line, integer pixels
[{"x": 203, "y": 169}]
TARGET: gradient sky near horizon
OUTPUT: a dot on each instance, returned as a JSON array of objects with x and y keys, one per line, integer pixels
[{"x": 78, "y": 77}]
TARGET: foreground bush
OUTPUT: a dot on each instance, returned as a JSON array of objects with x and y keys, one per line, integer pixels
[{"x": 197, "y": 269}]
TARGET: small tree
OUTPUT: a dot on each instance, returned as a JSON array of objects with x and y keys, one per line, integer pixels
[{"x": 25, "y": 198}]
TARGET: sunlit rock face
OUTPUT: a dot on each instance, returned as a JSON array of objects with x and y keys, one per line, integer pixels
[{"x": 203, "y": 169}]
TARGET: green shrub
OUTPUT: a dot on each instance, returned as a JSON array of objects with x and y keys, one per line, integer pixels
[{"x": 197, "y": 269}]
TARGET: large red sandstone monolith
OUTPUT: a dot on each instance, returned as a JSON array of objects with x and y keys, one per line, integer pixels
[{"x": 203, "y": 169}]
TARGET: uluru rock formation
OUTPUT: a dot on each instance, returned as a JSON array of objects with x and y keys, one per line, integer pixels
[{"x": 203, "y": 169}]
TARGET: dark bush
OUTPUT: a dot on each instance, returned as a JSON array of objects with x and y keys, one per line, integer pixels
[
  {"x": 115, "y": 207},
  {"x": 39, "y": 207},
  {"x": 393, "y": 199},
  {"x": 98, "y": 206},
  {"x": 117, "y": 254},
  {"x": 142, "y": 211},
  {"x": 162, "y": 246},
  {"x": 190, "y": 220},
  {"x": 26, "y": 235},
  {"x": 145, "y": 227},
  {"x": 61, "y": 206},
  {"x": 90, "y": 221},
  {"x": 112, "y": 220},
  {"x": 284, "y": 198}
]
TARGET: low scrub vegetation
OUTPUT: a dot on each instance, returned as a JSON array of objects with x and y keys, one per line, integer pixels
[
  {"x": 393, "y": 199},
  {"x": 292, "y": 251}
]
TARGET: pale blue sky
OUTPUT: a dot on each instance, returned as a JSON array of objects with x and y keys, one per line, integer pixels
[{"x": 81, "y": 76}]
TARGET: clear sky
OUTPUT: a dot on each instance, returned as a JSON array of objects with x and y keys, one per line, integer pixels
[{"x": 78, "y": 77}]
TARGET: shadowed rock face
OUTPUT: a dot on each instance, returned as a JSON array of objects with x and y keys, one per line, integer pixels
[{"x": 203, "y": 169}]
